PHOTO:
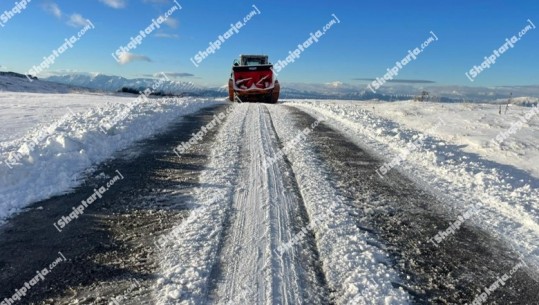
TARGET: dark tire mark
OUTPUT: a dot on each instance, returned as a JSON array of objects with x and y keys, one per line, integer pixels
[{"x": 309, "y": 255}]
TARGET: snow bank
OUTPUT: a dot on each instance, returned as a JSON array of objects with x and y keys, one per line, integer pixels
[
  {"x": 470, "y": 126},
  {"x": 455, "y": 160},
  {"x": 50, "y": 159}
]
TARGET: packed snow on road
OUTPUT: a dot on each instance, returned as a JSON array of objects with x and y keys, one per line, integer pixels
[{"x": 302, "y": 202}]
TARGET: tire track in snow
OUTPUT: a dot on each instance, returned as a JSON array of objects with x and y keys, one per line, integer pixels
[
  {"x": 357, "y": 268},
  {"x": 223, "y": 253},
  {"x": 188, "y": 256},
  {"x": 266, "y": 206}
]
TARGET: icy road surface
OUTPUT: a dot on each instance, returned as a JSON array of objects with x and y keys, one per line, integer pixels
[{"x": 275, "y": 204}]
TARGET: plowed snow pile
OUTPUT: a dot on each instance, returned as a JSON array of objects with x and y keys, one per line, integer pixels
[{"x": 49, "y": 158}]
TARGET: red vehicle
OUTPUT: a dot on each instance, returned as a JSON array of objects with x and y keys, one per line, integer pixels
[{"x": 252, "y": 80}]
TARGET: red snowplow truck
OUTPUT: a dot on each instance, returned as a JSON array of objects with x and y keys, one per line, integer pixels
[{"x": 252, "y": 80}]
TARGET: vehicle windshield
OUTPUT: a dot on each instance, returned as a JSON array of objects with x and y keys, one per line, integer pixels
[{"x": 254, "y": 61}]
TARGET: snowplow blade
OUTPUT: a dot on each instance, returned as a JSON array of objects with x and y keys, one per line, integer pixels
[{"x": 256, "y": 84}]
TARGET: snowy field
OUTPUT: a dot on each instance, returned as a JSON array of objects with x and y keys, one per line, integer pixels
[
  {"x": 22, "y": 112},
  {"x": 472, "y": 127},
  {"x": 49, "y": 140}
]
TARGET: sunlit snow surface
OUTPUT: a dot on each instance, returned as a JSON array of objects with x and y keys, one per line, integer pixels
[{"x": 49, "y": 140}]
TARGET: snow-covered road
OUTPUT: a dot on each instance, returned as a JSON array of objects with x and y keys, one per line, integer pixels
[
  {"x": 282, "y": 221},
  {"x": 264, "y": 216},
  {"x": 278, "y": 204}
]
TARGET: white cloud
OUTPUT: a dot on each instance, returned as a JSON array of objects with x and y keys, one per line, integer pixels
[
  {"x": 171, "y": 22},
  {"x": 126, "y": 58},
  {"x": 76, "y": 20},
  {"x": 166, "y": 35},
  {"x": 115, "y": 3},
  {"x": 52, "y": 8},
  {"x": 335, "y": 84},
  {"x": 175, "y": 74}
]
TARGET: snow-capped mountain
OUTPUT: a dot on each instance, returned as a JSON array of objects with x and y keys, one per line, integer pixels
[
  {"x": 337, "y": 90},
  {"x": 115, "y": 83},
  {"x": 15, "y": 82},
  {"x": 396, "y": 92}
]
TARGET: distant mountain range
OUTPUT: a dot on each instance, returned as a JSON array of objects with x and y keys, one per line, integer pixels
[
  {"x": 334, "y": 90},
  {"x": 394, "y": 92},
  {"x": 288, "y": 90},
  {"x": 16, "y": 82},
  {"x": 117, "y": 83}
]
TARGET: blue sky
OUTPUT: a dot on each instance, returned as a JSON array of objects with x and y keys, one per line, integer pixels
[{"x": 370, "y": 38}]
